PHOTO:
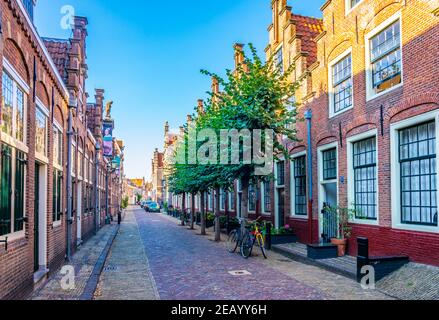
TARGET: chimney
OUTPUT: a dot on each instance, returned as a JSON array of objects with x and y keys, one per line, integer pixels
[
  {"x": 166, "y": 128},
  {"x": 215, "y": 86},
  {"x": 200, "y": 108},
  {"x": 239, "y": 54},
  {"x": 29, "y": 5}
]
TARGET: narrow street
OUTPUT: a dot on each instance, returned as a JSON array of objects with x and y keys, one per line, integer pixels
[{"x": 154, "y": 258}]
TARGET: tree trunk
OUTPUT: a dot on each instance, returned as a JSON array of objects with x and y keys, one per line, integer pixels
[
  {"x": 203, "y": 214},
  {"x": 192, "y": 211},
  {"x": 183, "y": 209},
  {"x": 217, "y": 216}
]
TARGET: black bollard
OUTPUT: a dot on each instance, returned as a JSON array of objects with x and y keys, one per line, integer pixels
[{"x": 268, "y": 235}]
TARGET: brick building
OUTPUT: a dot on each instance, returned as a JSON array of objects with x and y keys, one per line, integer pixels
[
  {"x": 157, "y": 178},
  {"x": 41, "y": 80},
  {"x": 368, "y": 77}
]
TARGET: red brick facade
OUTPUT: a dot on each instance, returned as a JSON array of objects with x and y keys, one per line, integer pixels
[
  {"x": 344, "y": 30},
  {"x": 50, "y": 72}
]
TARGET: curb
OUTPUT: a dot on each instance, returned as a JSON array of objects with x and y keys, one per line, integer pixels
[{"x": 93, "y": 281}]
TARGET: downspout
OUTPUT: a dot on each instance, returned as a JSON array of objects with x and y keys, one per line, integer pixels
[
  {"x": 70, "y": 133},
  {"x": 308, "y": 117},
  {"x": 96, "y": 187},
  {"x": 107, "y": 220}
]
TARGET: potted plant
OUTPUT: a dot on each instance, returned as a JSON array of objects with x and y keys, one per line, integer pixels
[
  {"x": 283, "y": 235},
  {"x": 210, "y": 220},
  {"x": 344, "y": 215}
]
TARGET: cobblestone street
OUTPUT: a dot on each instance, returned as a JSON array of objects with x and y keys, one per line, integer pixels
[{"x": 184, "y": 265}]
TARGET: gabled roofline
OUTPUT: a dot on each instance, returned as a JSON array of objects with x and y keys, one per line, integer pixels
[{"x": 43, "y": 47}]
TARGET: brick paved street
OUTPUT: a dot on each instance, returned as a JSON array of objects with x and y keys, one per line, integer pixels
[
  {"x": 126, "y": 274},
  {"x": 188, "y": 266},
  {"x": 86, "y": 263}
]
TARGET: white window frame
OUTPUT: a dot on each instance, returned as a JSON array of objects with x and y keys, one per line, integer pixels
[
  {"x": 58, "y": 127},
  {"x": 370, "y": 95},
  {"x": 349, "y": 8},
  {"x": 351, "y": 175},
  {"x": 248, "y": 199},
  {"x": 339, "y": 58},
  {"x": 222, "y": 205},
  {"x": 58, "y": 223},
  {"x": 231, "y": 195},
  {"x": 43, "y": 109},
  {"x": 321, "y": 181},
  {"x": 263, "y": 211},
  {"x": 17, "y": 82},
  {"x": 396, "y": 170},
  {"x": 293, "y": 186}
]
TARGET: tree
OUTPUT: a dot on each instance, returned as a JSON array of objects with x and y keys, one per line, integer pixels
[{"x": 255, "y": 97}]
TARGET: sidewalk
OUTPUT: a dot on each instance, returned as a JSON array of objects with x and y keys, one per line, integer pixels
[
  {"x": 88, "y": 263},
  {"x": 126, "y": 274}
]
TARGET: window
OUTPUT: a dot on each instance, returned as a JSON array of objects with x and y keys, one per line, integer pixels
[
  {"x": 417, "y": 158},
  {"x": 223, "y": 197},
  {"x": 300, "y": 207},
  {"x": 251, "y": 198},
  {"x": 267, "y": 198},
  {"x": 232, "y": 202},
  {"x": 330, "y": 164},
  {"x": 57, "y": 196},
  {"x": 13, "y": 108},
  {"x": 210, "y": 197},
  {"x": 365, "y": 178},
  {"x": 57, "y": 146},
  {"x": 279, "y": 61},
  {"x": 280, "y": 173},
  {"x": 342, "y": 84},
  {"x": 385, "y": 57},
  {"x": 41, "y": 132},
  {"x": 12, "y": 190},
  {"x": 352, "y": 3}
]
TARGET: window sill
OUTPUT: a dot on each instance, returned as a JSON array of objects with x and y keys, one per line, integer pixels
[
  {"x": 378, "y": 95},
  {"x": 336, "y": 114},
  {"x": 295, "y": 216},
  {"x": 416, "y": 228},
  {"x": 365, "y": 222}
]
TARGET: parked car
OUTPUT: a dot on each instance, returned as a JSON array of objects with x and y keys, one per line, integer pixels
[{"x": 153, "y": 207}]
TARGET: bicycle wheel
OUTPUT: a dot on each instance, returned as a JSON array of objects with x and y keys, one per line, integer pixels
[
  {"x": 232, "y": 241},
  {"x": 261, "y": 245},
  {"x": 247, "y": 246}
]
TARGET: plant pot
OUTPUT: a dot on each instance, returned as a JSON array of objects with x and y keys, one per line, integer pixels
[{"x": 341, "y": 245}]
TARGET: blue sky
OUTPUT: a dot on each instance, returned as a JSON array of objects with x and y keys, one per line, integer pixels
[{"x": 147, "y": 56}]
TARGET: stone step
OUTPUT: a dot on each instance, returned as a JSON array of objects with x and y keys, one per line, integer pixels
[{"x": 344, "y": 266}]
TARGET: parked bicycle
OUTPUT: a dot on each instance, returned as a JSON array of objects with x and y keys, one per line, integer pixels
[{"x": 245, "y": 238}]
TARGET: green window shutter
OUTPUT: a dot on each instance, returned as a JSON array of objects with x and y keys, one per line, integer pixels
[
  {"x": 19, "y": 191},
  {"x": 54, "y": 197},
  {"x": 5, "y": 190},
  {"x": 59, "y": 195}
]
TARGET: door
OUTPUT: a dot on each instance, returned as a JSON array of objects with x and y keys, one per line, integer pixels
[
  {"x": 37, "y": 218},
  {"x": 280, "y": 207},
  {"x": 329, "y": 217},
  {"x": 79, "y": 214}
]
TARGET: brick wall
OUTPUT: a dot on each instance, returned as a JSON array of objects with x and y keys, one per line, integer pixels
[{"x": 418, "y": 95}]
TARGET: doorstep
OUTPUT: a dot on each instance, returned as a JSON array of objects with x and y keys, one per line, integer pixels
[{"x": 344, "y": 266}]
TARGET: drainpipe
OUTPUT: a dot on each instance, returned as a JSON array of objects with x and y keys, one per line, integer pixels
[
  {"x": 107, "y": 220},
  {"x": 70, "y": 133},
  {"x": 308, "y": 117},
  {"x": 96, "y": 187}
]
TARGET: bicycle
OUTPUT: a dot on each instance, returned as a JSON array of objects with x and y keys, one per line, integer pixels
[
  {"x": 235, "y": 237},
  {"x": 249, "y": 240}
]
